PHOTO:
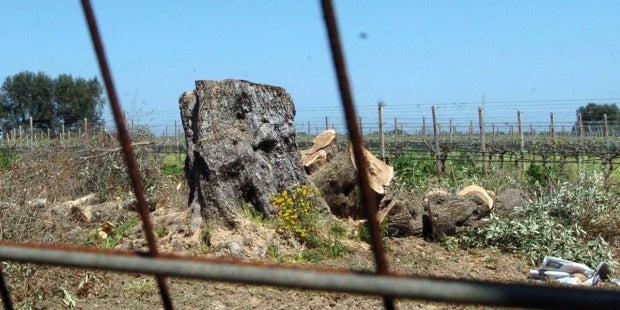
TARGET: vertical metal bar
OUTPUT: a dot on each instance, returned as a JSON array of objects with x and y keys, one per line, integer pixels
[
  {"x": 4, "y": 290},
  {"x": 369, "y": 199},
  {"x": 123, "y": 135}
]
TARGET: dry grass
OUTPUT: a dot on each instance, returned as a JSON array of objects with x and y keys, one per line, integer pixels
[{"x": 65, "y": 176}]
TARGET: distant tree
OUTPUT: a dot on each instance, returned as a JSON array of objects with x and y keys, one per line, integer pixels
[
  {"x": 50, "y": 102},
  {"x": 78, "y": 99},
  {"x": 25, "y": 95},
  {"x": 593, "y": 116}
]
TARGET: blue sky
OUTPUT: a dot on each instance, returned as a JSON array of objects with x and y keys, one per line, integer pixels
[{"x": 534, "y": 56}]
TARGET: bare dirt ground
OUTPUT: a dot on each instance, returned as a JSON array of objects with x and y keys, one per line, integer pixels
[{"x": 44, "y": 287}]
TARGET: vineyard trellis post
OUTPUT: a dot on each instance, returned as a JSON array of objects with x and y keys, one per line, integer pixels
[
  {"x": 552, "y": 127},
  {"x": 522, "y": 142},
  {"x": 552, "y": 133},
  {"x": 176, "y": 134},
  {"x": 381, "y": 136},
  {"x": 437, "y": 150},
  {"x": 31, "y": 138},
  {"x": 359, "y": 120},
  {"x": 482, "y": 138},
  {"x": 580, "y": 126},
  {"x": 86, "y": 127},
  {"x": 326, "y": 123},
  {"x": 423, "y": 127},
  {"x": 395, "y": 131},
  {"x": 451, "y": 131}
]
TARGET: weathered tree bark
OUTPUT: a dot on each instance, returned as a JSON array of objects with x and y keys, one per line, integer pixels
[
  {"x": 402, "y": 213},
  {"x": 448, "y": 215},
  {"x": 337, "y": 182},
  {"x": 241, "y": 147}
]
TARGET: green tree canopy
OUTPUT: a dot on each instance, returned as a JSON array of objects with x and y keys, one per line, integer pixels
[
  {"x": 593, "y": 115},
  {"x": 77, "y": 99},
  {"x": 50, "y": 102},
  {"x": 594, "y": 112}
]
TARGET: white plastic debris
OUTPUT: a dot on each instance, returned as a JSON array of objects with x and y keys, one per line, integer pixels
[{"x": 573, "y": 273}]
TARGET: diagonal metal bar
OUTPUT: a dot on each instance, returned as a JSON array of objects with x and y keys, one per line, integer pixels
[
  {"x": 369, "y": 199},
  {"x": 123, "y": 135},
  {"x": 438, "y": 289}
]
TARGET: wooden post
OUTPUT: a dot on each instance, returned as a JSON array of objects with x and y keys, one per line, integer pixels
[
  {"x": 482, "y": 138},
  {"x": 308, "y": 128},
  {"x": 471, "y": 129},
  {"x": 326, "y": 123},
  {"x": 381, "y": 136},
  {"x": 522, "y": 142},
  {"x": 580, "y": 125},
  {"x": 436, "y": 138},
  {"x": 606, "y": 125},
  {"x": 176, "y": 134},
  {"x": 31, "y": 133},
  {"x": 423, "y": 126},
  {"x": 395, "y": 130},
  {"x": 451, "y": 131},
  {"x": 552, "y": 127},
  {"x": 359, "y": 120}
]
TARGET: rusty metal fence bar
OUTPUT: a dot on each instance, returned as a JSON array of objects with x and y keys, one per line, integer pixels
[
  {"x": 369, "y": 199},
  {"x": 443, "y": 290},
  {"x": 382, "y": 284},
  {"x": 123, "y": 137}
]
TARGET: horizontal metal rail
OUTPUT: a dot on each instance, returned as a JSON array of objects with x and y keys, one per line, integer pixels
[{"x": 441, "y": 290}]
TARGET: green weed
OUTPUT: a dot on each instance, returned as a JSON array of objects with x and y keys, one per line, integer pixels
[
  {"x": 173, "y": 165},
  {"x": 7, "y": 159}
]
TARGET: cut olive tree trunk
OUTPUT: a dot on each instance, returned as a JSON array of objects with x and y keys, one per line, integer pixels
[
  {"x": 337, "y": 182},
  {"x": 241, "y": 147}
]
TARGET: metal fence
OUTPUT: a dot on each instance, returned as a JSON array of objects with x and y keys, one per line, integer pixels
[{"x": 383, "y": 283}]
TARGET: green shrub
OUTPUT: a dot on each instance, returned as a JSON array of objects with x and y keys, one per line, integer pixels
[
  {"x": 565, "y": 222},
  {"x": 411, "y": 171},
  {"x": 299, "y": 216},
  {"x": 297, "y": 212},
  {"x": 542, "y": 175}
]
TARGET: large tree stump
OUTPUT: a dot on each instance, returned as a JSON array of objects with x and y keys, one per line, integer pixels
[{"x": 241, "y": 147}]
